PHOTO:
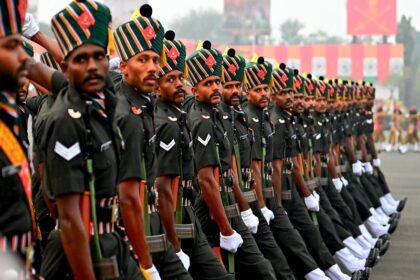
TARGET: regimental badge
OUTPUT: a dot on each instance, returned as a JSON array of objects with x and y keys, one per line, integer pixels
[
  {"x": 85, "y": 20},
  {"x": 173, "y": 54},
  {"x": 172, "y": 119},
  {"x": 206, "y": 117},
  {"x": 261, "y": 74},
  {"x": 74, "y": 114},
  {"x": 149, "y": 32},
  {"x": 210, "y": 62},
  {"x": 232, "y": 69},
  {"x": 135, "y": 110}
]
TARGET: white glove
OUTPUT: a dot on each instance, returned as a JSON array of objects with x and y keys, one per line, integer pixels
[
  {"x": 312, "y": 203},
  {"x": 268, "y": 214},
  {"x": 316, "y": 195},
  {"x": 30, "y": 28},
  {"x": 376, "y": 162},
  {"x": 337, "y": 184},
  {"x": 184, "y": 259},
  {"x": 231, "y": 243},
  {"x": 344, "y": 180},
  {"x": 368, "y": 168},
  {"x": 251, "y": 221},
  {"x": 153, "y": 273},
  {"x": 357, "y": 168}
]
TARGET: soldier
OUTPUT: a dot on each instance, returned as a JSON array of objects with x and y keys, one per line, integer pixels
[
  {"x": 215, "y": 206},
  {"x": 258, "y": 77},
  {"x": 412, "y": 133},
  {"x": 140, "y": 47},
  {"x": 175, "y": 168},
  {"x": 81, "y": 154},
  {"x": 241, "y": 139},
  {"x": 17, "y": 227}
]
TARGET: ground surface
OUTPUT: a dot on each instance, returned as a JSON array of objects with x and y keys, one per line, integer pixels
[{"x": 403, "y": 258}]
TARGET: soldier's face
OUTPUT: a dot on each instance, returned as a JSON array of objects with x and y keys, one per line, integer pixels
[
  {"x": 331, "y": 106},
  {"x": 209, "y": 91},
  {"x": 13, "y": 63},
  {"x": 171, "y": 88},
  {"x": 284, "y": 100},
  {"x": 259, "y": 96},
  {"x": 309, "y": 104},
  {"x": 232, "y": 92},
  {"x": 298, "y": 103},
  {"x": 141, "y": 71},
  {"x": 320, "y": 105},
  {"x": 86, "y": 68}
]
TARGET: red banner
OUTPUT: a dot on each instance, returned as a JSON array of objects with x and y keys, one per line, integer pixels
[{"x": 372, "y": 17}]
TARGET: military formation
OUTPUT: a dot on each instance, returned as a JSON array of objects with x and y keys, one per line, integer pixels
[{"x": 163, "y": 166}]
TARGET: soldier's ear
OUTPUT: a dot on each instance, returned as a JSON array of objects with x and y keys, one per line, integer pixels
[
  {"x": 194, "y": 91},
  {"x": 123, "y": 68}
]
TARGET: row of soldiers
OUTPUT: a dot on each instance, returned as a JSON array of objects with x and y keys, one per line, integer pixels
[{"x": 176, "y": 167}]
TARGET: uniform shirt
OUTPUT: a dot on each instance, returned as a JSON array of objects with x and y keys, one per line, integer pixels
[
  {"x": 238, "y": 132},
  {"x": 139, "y": 135},
  {"x": 322, "y": 134},
  {"x": 172, "y": 140},
  {"x": 368, "y": 126},
  {"x": 285, "y": 138},
  {"x": 302, "y": 134},
  {"x": 207, "y": 129},
  {"x": 15, "y": 217},
  {"x": 65, "y": 142},
  {"x": 259, "y": 122},
  {"x": 348, "y": 124}
]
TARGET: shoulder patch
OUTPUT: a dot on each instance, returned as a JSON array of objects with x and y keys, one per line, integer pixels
[
  {"x": 167, "y": 147},
  {"x": 204, "y": 142},
  {"x": 255, "y": 119},
  {"x": 172, "y": 119},
  {"x": 74, "y": 114},
  {"x": 67, "y": 153},
  {"x": 206, "y": 117}
]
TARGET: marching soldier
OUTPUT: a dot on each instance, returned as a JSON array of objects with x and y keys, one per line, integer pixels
[
  {"x": 175, "y": 168},
  {"x": 17, "y": 226},
  {"x": 140, "y": 47},
  {"x": 81, "y": 149},
  {"x": 215, "y": 206},
  {"x": 241, "y": 140},
  {"x": 269, "y": 193}
]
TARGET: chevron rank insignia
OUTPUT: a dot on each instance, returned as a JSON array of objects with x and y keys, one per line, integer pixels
[
  {"x": 204, "y": 142},
  {"x": 168, "y": 146},
  {"x": 67, "y": 153}
]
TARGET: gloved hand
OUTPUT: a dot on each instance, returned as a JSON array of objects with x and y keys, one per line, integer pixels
[
  {"x": 268, "y": 214},
  {"x": 151, "y": 273},
  {"x": 231, "y": 243},
  {"x": 357, "y": 168},
  {"x": 368, "y": 168},
  {"x": 337, "y": 184},
  {"x": 316, "y": 195},
  {"x": 376, "y": 162},
  {"x": 344, "y": 180},
  {"x": 312, "y": 203},
  {"x": 251, "y": 221},
  {"x": 30, "y": 28},
  {"x": 185, "y": 259}
]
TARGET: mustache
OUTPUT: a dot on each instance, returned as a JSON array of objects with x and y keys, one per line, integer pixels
[
  {"x": 265, "y": 98},
  {"x": 235, "y": 95},
  {"x": 153, "y": 76},
  {"x": 216, "y": 93},
  {"x": 93, "y": 76},
  {"x": 180, "y": 90}
]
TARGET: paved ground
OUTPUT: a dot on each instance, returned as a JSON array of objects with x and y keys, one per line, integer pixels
[{"x": 403, "y": 258}]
